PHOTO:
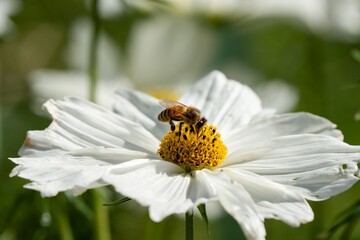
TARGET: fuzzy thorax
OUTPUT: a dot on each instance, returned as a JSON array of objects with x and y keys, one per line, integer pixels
[{"x": 193, "y": 151}]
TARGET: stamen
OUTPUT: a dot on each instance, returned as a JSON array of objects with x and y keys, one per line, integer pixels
[{"x": 192, "y": 150}]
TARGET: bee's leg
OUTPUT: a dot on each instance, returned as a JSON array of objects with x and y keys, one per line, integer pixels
[
  {"x": 192, "y": 129},
  {"x": 180, "y": 127},
  {"x": 172, "y": 125}
]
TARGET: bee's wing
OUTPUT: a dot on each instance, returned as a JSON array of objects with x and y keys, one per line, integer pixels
[{"x": 166, "y": 103}]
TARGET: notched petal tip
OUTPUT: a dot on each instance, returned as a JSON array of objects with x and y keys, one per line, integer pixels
[
  {"x": 50, "y": 107},
  {"x": 16, "y": 170},
  {"x": 28, "y": 143}
]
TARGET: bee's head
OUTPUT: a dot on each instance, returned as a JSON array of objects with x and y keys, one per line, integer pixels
[{"x": 200, "y": 124}]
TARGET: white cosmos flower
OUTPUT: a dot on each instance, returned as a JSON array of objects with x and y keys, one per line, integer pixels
[{"x": 274, "y": 162}]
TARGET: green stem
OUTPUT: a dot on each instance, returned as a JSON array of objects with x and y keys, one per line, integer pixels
[
  {"x": 101, "y": 216},
  {"x": 93, "y": 68},
  {"x": 189, "y": 223}
]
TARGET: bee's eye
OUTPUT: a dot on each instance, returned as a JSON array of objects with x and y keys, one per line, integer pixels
[{"x": 201, "y": 123}]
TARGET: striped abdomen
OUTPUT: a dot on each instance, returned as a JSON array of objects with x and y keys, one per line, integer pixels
[{"x": 169, "y": 114}]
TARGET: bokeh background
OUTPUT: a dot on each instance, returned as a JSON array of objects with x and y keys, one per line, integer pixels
[{"x": 301, "y": 55}]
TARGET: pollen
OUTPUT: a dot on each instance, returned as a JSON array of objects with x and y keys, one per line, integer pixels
[{"x": 191, "y": 150}]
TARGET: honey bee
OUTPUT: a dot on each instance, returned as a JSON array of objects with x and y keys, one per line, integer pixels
[{"x": 187, "y": 115}]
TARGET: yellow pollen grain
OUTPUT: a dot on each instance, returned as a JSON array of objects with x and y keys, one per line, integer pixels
[{"x": 191, "y": 150}]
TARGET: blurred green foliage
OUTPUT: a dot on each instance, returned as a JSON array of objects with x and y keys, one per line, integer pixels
[{"x": 324, "y": 71}]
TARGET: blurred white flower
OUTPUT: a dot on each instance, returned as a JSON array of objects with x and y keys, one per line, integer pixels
[
  {"x": 162, "y": 51},
  {"x": 166, "y": 50},
  {"x": 338, "y": 19},
  {"x": 277, "y": 94},
  {"x": 274, "y": 93},
  {"x": 312, "y": 12},
  {"x": 164, "y": 57},
  {"x": 108, "y": 9},
  {"x": 345, "y": 16},
  {"x": 7, "y": 8},
  {"x": 169, "y": 53},
  {"x": 274, "y": 163},
  {"x": 77, "y": 52},
  {"x": 52, "y": 83}
]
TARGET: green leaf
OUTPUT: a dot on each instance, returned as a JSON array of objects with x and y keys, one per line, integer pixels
[
  {"x": 116, "y": 202},
  {"x": 202, "y": 210},
  {"x": 348, "y": 216},
  {"x": 102, "y": 224}
]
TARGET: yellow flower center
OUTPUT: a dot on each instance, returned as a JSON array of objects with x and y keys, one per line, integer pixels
[{"x": 193, "y": 151}]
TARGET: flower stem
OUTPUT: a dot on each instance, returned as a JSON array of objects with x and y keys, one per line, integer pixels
[
  {"x": 101, "y": 216},
  {"x": 189, "y": 223},
  {"x": 93, "y": 68}
]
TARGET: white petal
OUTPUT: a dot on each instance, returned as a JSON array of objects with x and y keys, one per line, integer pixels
[
  {"x": 239, "y": 204},
  {"x": 273, "y": 200},
  {"x": 159, "y": 184},
  {"x": 163, "y": 186},
  {"x": 201, "y": 191},
  {"x": 57, "y": 172},
  {"x": 322, "y": 183},
  {"x": 280, "y": 125},
  {"x": 143, "y": 109},
  {"x": 226, "y": 104},
  {"x": 81, "y": 122},
  {"x": 310, "y": 163},
  {"x": 54, "y": 170},
  {"x": 288, "y": 146}
]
